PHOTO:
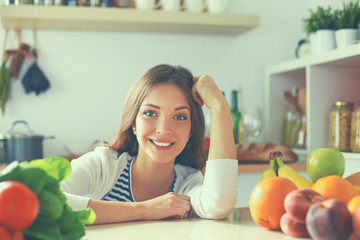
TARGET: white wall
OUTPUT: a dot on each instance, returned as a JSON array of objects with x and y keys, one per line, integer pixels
[{"x": 91, "y": 72}]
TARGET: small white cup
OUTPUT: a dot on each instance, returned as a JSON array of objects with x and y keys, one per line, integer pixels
[
  {"x": 171, "y": 5},
  {"x": 147, "y": 4},
  {"x": 217, "y": 6},
  {"x": 195, "y": 5}
]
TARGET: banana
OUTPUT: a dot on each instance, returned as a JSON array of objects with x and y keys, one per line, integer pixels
[
  {"x": 354, "y": 178},
  {"x": 289, "y": 173},
  {"x": 270, "y": 171},
  {"x": 357, "y": 188}
]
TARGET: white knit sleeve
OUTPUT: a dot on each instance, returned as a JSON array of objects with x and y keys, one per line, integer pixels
[
  {"x": 78, "y": 186},
  {"x": 88, "y": 177},
  {"x": 216, "y": 197}
]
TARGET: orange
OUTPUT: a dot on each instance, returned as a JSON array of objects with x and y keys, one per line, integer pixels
[
  {"x": 334, "y": 186},
  {"x": 266, "y": 202},
  {"x": 353, "y": 204}
]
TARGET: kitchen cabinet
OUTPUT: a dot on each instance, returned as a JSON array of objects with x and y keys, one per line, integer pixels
[
  {"x": 328, "y": 77},
  {"x": 124, "y": 19}
]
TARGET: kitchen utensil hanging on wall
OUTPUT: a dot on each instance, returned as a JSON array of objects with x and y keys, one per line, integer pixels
[
  {"x": 5, "y": 81},
  {"x": 34, "y": 79},
  {"x": 17, "y": 56}
]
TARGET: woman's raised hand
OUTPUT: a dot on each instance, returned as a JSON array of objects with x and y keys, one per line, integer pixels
[
  {"x": 168, "y": 205},
  {"x": 205, "y": 91}
]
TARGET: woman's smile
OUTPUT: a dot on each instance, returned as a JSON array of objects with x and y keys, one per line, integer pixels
[{"x": 162, "y": 144}]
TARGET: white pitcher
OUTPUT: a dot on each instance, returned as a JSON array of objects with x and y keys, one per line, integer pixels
[
  {"x": 217, "y": 6},
  {"x": 195, "y": 5},
  {"x": 147, "y": 4}
]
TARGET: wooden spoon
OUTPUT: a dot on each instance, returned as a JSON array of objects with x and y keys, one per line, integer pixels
[
  {"x": 293, "y": 102},
  {"x": 302, "y": 99}
]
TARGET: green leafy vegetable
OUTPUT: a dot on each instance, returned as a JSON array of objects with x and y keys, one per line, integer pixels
[
  {"x": 56, "y": 219},
  {"x": 70, "y": 226},
  {"x": 57, "y": 167},
  {"x": 50, "y": 205},
  {"x": 5, "y": 86},
  {"x": 43, "y": 229},
  {"x": 86, "y": 216},
  {"x": 31, "y": 176}
]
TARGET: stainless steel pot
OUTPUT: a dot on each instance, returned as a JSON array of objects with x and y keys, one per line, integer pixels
[{"x": 21, "y": 146}]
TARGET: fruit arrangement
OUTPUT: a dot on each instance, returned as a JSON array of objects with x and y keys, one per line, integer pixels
[
  {"x": 328, "y": 207},
  {"x": 32, "y": 205}
]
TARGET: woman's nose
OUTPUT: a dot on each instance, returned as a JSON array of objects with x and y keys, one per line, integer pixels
[{"x": 163, "y": 126}]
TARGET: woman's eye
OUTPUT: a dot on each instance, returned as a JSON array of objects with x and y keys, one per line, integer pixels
[
  {"x": 150, "y": 113},
  {"x": 180, "y": 117}
]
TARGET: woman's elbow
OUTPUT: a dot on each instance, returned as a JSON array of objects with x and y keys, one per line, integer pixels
[{"x": 219, "y": 209}]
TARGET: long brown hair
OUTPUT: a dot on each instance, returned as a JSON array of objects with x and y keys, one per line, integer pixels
[{"x": 125, "y": 141}]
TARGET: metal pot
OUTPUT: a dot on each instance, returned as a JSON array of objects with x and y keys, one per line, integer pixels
[{"x": 21, "y": 146}]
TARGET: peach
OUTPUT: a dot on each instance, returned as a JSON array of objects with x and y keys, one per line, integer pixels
[
  {"x": 329, "y": 219},
  {"x": 356, "y": 222},
  {"x": 298, "y": 202},
  {"x": 291, "y": 227}
]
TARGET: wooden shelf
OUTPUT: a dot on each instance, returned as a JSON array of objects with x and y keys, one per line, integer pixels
[{"x": 127, "y": 20}]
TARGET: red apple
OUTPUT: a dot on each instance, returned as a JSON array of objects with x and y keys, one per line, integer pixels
[
  {"x": 329, "y": 219},
  {"x": 298, "y": 202},
  {"x": 293, "y": 228}
]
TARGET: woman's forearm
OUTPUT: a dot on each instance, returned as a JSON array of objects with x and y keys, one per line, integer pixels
[
  {"x": 114, "y": 212},
  {"x": 221, "y": 134}
]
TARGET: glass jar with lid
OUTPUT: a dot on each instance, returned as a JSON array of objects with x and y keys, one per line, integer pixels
[
  {"x": 355, "y": 129},
  {"x": 340, "y": 125}
]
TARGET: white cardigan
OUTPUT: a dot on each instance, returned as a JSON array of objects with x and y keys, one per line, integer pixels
[{"x": 95, "y": 173}]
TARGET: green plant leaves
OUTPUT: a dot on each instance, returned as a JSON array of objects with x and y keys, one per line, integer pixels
[{"x": 348, "y": 17}]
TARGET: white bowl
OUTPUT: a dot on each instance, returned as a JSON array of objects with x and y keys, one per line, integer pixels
[{"x": 79, "y": 149}]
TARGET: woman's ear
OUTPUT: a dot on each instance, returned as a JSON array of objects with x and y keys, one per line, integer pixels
[{"x": 134, "y": 129}]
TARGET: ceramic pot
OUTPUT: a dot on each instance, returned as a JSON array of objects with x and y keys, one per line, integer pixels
[{"x": 346, "y": 37}]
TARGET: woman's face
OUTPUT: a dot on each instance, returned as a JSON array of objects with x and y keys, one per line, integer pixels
[{"x": 163, "y": 124}]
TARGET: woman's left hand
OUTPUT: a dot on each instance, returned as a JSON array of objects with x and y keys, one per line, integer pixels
[{"x": 205, "y": 91}]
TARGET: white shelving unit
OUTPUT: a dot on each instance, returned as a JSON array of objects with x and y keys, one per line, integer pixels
[
  {"x": 329, "y": 77},
  {"x": 122, "y": 19}
]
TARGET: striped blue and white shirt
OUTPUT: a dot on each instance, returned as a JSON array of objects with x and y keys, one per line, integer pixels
[
  {"x": 122, "y": 190},
  {"x": 97, "y": 174}
]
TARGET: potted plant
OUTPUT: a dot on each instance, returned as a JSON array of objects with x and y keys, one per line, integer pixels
[
  {"x": 347, "y": 23},
  {"x": 320, "y": 28}
]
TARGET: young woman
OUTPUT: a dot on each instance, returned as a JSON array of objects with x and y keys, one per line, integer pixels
[{"x": 152, "y": 170}]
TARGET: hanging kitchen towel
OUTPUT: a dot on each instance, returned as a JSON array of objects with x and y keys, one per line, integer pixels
[{"x": 35, "y": 80}]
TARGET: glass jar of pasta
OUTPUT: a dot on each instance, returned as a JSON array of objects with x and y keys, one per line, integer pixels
[
  {"x": 340, "y": 125},
  {"x": 355, "y": 129}
]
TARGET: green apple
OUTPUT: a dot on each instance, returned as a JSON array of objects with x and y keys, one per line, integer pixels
[{"x": 324, "y": 162}]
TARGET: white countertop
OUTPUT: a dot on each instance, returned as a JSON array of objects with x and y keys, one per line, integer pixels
[{"x": 238, "y": 225}]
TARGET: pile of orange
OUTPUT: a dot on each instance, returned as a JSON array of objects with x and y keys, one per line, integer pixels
[
  {"x": 334, "y": 186},
  {"x": 353, "y": 204},
  {"x": 266, "y": 202}
]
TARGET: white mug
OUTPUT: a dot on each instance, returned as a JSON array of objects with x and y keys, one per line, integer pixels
[
  {"x": 147, "y": 4},
  {"x": 217, "y": 6},
  {"x": 195, "y": 5},
  {"x": 171, "y": 5}
]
